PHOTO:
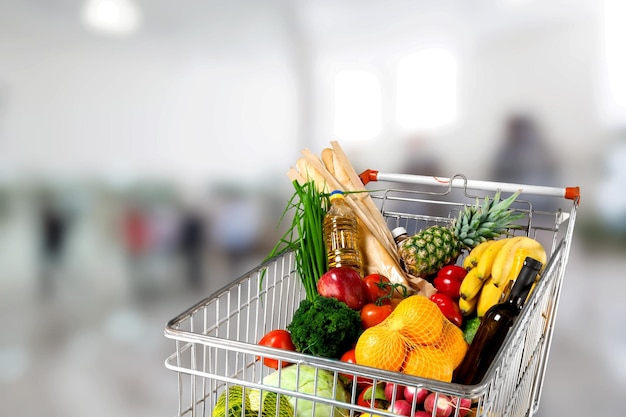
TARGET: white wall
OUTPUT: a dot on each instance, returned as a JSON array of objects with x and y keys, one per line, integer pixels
[
  {"x": 236, "y": 89},
  {"x": 185, "y": 102}
]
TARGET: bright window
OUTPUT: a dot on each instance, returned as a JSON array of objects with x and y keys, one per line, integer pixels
[
  {"x": 426, "y": 89},
  {"x": 358, "y": 105},
  {"x": 615, "y": 48}
]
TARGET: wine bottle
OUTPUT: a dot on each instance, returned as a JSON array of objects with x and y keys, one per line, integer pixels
[{"x": 494, "y": 327}]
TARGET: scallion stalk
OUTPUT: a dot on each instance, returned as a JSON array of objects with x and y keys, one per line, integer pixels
[{"x": 305, "y": 235}]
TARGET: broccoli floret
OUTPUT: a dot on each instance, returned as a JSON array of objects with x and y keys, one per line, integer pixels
[{"x": 324, "y": 327}]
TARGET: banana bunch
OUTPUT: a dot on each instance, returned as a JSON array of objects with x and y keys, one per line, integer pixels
[{"x": 492, "y": 266}]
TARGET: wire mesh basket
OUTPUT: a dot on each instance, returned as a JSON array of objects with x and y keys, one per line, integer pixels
[{"x": 216, "y": 348}]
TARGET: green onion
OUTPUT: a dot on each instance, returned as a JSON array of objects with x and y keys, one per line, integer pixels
[{"x": 305, "y": 236}]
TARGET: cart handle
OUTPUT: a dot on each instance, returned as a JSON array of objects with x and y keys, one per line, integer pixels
[{"x": 570, "y": 193}]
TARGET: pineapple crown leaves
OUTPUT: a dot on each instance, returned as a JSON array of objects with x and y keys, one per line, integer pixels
[{"x": 485, "y": 221}]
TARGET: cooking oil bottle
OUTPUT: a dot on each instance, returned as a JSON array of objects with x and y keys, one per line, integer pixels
[{"x": 341, "y": 234}]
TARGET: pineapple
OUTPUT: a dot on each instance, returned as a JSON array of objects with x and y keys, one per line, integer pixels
[{"x": 429, "y": 250}]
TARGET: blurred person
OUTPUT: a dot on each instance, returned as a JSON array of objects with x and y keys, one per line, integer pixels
[
  {"x": 237, "y": 228},
  {"x": 192, "y": 245},
  {"x": 612, "y": 204},
  {"x": 136, "y": 235},
  {"x": 419, "y": 159},
  {"x": 53, "y": 225},
  {"x": 524, "y": 157}
]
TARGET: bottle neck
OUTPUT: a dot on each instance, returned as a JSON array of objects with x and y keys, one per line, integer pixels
[{"x": 524, "y": 282}]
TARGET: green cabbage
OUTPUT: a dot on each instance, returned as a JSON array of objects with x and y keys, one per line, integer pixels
[{"x": 306, "y": 384}]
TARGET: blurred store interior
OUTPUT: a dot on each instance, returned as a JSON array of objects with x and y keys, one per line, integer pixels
[{"x": 144, "y": 146}]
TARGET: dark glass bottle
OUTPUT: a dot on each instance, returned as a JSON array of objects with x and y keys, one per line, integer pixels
[{"x": 494, "y": 327}]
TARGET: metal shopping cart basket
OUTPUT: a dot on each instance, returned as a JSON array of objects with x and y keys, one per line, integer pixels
[{"x": 216, "y": 346}]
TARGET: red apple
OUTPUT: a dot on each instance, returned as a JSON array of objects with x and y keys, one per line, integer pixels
[{"x": 344, "y": 284}]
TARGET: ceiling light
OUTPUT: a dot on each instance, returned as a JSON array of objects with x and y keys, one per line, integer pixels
[{"x": 115, "y": 17}]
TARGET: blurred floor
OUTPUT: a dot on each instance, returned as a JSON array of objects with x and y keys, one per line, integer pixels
[
  {"x": 96, "y": 349},
  {"x": 586, "y": 373},
  {"x": 94, "y": 345}
]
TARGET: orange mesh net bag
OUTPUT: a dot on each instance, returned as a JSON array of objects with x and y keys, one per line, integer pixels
[{"x": 415, "y": 339}]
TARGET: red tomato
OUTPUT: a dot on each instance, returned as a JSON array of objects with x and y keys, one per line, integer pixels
[
  {"x": 372, "y": 314},
  {"x": 361, "y": 382},
  {"x": 378, "y": 286},
  {"x": 279, "y": 339}
]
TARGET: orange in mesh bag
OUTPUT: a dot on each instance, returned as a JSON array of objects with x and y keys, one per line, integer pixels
[{"x": 415, "y": 339}]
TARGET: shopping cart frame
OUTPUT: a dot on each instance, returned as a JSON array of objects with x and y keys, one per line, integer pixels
[{"x": 215, "y": 340}]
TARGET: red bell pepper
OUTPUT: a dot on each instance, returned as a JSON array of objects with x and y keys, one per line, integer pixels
[
  {"x": 448, "y": 280},
  {"x": 453, "y": 271},
  {"x": 448, "y": 307}
]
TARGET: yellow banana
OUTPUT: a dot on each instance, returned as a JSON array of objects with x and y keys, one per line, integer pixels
[
  {"x": 468, "y": 307},
  {"x": 517, "y": 261},
  {"x": 471, "y": 285},
  {"x": 502, "y": 262},
  {"x": 471, "y": 260},
  {"x": 526, "y": 247},
  {"x": 489, "y": 296},
  {"x": 486, "y": 261},
  {"x": 531, "y": 290}
]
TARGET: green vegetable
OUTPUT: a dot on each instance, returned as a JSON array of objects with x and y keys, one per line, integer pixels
[
  {"x": 470, "y": 327},
  {"x": 305, "y": 235},
  {"x": 233, "y": 398},
  {"x": 310, "y": 380},
  {"x": 324, "y": 327},
  {"x": 270, "y": 403}
]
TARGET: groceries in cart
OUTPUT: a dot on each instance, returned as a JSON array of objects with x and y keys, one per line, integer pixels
[
  {"x": 433, "y": 286},
  {"x": 366, "y": 309}
]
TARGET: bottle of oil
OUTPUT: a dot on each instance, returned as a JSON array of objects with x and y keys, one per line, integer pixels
[
  {"x": 494, "y": 327},
  {"x": 341, "y": 234}
]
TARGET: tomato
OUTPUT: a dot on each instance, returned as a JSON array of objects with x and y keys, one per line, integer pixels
[
  {"x": 378, "y": 286},
  {"x": 378, "y": 394},
  {"x": 372, "y": 314},
  {"x": 361, "y": 382},
  {"x": 279, "y": 339}
]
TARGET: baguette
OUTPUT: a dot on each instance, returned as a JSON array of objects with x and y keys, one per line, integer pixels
[{"x": 334, "y": 171}]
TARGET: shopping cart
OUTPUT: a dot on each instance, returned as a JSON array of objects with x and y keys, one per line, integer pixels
[{"x": 216, "y": 339}]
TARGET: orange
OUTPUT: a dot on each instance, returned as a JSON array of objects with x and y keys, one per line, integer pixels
[
  {"x": 428, "y": 362},
  {"x": 419, "y": 319},
  {"x": 453, "y": 343},
  {"x": 381, "y": 347},
  {"x": 415, "y": 339}
]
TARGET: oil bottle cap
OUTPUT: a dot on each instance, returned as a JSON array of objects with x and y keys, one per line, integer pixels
[
  {"x": 336, "y": 194},
  {"x": 398, "y": 231}
]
